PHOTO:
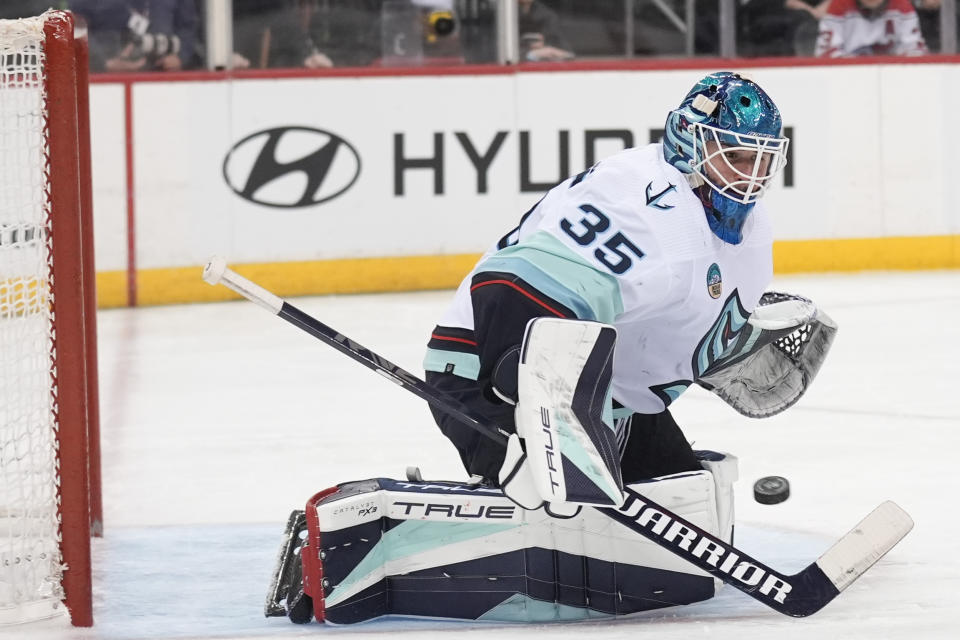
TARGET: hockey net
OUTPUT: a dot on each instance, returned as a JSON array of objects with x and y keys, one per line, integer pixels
[{"x": 48, "y": 433}]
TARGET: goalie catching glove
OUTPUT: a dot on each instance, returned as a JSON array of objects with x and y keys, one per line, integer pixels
[
  {"x": 771, "y": 365},
  {"x": 564, "y": 453}
]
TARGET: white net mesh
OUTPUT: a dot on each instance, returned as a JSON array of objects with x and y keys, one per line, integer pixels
[{"x": 30, "y": 561}]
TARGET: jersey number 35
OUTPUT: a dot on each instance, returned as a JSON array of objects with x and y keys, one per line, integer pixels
[{"x": 615, "y": 252}]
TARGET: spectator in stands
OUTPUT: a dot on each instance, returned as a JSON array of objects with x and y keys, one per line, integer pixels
[
  {"x": 816, "y": 9},
  {"x": 303, "y": 33},
  {"x": 140, "y": 35},
  {"x": 929, "y": 13},
  {"x": 540, "y": 34},
  {"x": 781, "y": 28},
  {"x": 870, "y": 27}
]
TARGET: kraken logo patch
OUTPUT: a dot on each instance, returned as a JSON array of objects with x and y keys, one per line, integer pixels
[{"x": 714, "y": 281}]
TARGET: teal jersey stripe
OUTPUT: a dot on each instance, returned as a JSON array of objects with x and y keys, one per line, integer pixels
[
  {"x": 407, "y": 539},
  {"x": 546, "y": 264},
  {"x": 465, "y": 365}
]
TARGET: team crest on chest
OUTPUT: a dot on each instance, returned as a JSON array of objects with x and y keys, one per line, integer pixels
[
  {"x": 714, "y": 281},
  {"x": 653, "y": 199}
]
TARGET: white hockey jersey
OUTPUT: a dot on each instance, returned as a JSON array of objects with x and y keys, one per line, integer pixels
[
  {"x": 845, "y": 31},
  {"x": 628, "y": 243}
]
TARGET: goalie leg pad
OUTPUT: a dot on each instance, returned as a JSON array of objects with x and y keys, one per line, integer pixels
[
  {"x": 564, "y": 413},
  {"x": 448, "y": 550}
]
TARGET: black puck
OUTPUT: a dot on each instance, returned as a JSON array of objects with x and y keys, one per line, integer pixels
[{"x": 771, "y": 490}]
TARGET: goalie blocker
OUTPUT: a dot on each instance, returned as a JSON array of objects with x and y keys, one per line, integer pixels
[{"x": 383, "y": 547}]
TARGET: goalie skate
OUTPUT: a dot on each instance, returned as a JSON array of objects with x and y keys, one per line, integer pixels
[{"x": 286, "y": 585}]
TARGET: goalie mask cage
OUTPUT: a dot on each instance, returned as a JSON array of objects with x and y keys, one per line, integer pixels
[{"x": 49, "y": 456}]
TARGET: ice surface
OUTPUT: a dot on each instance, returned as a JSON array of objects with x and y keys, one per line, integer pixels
[{"x": 219, "y": 419}]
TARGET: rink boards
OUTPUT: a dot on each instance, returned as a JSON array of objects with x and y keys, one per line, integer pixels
[{"x": 379, "y": 182}]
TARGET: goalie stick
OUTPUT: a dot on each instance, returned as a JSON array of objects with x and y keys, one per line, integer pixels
[{"x": 800, "y": 594}]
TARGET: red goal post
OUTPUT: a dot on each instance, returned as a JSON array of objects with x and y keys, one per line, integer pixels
[{"x": 49, "y": 435}]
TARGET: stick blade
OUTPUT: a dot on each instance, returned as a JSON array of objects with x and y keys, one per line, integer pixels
[{"x": 869, "y": 541}]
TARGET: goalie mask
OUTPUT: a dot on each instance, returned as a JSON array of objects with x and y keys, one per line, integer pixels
[{"x": 727, "y": 134}]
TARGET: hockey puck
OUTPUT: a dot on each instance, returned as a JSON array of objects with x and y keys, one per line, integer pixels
[{"x": 771, "y": 490}]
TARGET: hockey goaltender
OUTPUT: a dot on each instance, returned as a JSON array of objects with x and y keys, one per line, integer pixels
[{"x": 552, "y": 373}]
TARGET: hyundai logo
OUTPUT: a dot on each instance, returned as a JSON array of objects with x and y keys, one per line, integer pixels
[{"x": 291, "y": 167}]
